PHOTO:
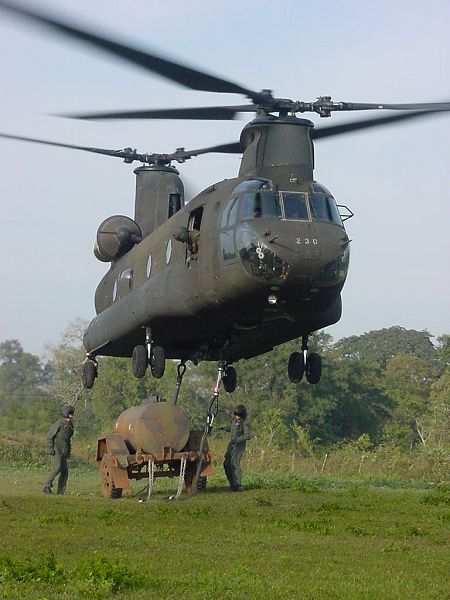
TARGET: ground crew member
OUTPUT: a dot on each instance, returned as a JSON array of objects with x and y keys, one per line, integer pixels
[
  {"x": 59, "y": 446},
  {"x": 241, "y": 432}
]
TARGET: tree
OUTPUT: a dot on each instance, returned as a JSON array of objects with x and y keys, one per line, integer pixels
[
  {"x": 348, "y": 402},
  {"x": 408, "y": 380},
  {"x": 444, "y": 351},
  {"x": 22, "y": 376},
  {"x": 379, "y": 346},
  {"x": 439, "y": 410}
]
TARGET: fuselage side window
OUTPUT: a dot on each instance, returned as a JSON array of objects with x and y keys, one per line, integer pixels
[
  {"x": 149, "y": 265},
  {"x": 195, "y": 219}
]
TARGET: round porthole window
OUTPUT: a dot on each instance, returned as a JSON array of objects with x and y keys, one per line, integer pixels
[
  {"x": 149, "y": 265},
  {"x": 168, "y": 251}
]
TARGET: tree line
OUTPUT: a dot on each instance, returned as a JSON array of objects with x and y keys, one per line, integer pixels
[{"x": 385, "y": 387}]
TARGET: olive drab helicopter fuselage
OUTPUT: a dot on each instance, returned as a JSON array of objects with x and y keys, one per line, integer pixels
[
  {"x": 270, "y": 258},
  {"x": 250, "y": 262}
]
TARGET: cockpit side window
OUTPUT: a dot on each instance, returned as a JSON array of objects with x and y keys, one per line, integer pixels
[
  {"x": 324, "y": 208},
  {"x": 295, "y": 206},
  {"x": 259, "y": 204},
  {"x": 228, "y": 222},
  {"x": 229, "y": 213}
]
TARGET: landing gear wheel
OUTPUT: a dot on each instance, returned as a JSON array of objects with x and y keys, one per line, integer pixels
[
  {"x": 313, "y": 367},
  {"x": 158, "y": 362},
  {"x": 230, "y": 379},
  {"x": 109, "y": 490},
  {"x": 89, "y": 374},
  {"x": 139, "y": 361},
  {"x": 296, "y": 367}
]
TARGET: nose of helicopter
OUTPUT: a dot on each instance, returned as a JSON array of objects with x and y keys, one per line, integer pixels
[{"x": 284, "y": 251}]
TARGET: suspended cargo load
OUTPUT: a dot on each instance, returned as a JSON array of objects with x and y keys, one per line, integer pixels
[{"x": 152, "y": 440}]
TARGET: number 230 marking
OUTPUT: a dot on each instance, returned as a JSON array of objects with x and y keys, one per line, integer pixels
[{"x": 307, "y": 241}]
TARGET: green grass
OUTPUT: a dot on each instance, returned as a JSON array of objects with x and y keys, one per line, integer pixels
[{"x": 284, "y": 537}]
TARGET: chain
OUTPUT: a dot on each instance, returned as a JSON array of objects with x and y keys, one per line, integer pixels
[
  {"x": 181, "y": 479},
  {"x": 151, "y": 477}
]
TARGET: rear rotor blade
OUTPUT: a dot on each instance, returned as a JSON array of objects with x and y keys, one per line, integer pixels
[
  {"x": 129, "y": 155},
  {"x": 186, "y": 76},
  {"x": 325, "y": 132},
  {"x": 118, "y": 153}
]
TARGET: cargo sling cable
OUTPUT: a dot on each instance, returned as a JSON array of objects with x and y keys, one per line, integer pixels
[
  {"x": 181, "y": 370},
  {"x": 210, "y": 416}
]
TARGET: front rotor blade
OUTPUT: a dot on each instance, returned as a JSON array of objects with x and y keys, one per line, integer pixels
[
  {"x": 324, "y": 132},
  {"x": 233, "y": 148},
  {"x": 426, "y": 106},
  {"x": 224, "y": 113},
  {"x": 186, "y": 76},
  {"x": 118, "y": 153}
]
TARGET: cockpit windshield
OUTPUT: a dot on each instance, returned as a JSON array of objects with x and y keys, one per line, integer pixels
[
  {"x": 295, "y": 205},
  {"x": 259, "y": 204},
  {"x": 254, "y": 199}
]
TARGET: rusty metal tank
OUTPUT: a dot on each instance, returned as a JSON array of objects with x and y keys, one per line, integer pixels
[{"x": 152, "y": 426}]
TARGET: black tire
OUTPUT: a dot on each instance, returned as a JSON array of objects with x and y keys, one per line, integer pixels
[
  {"x": 296, "y": 367},
  {"x": 109, "y": 490},
  {"x": 89, "y": 374},
  {"x": 139, "y": 361},
  {"x": 201, "y": 484},
  {"x": 230, "y": 379},
  {"x": 116, "y": 493},
  {"x": 158, "y": 362},
  {"x": 313, "y": 367}
]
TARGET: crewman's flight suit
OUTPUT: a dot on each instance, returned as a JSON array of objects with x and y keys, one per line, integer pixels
[
  {"x": 241, "y": 432},
  {"x": 59, "y": 445}
]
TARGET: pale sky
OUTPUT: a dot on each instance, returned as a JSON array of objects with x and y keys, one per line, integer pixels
[{"x": 395, "y": 179}]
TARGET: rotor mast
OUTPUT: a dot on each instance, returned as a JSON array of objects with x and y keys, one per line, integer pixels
[{"x": 269, "y": 141}]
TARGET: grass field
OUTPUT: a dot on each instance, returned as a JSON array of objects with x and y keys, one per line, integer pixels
[{"x": 285, "y": 537}]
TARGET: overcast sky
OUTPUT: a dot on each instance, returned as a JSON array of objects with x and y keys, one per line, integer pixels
[{"x": 395, "y": 179}]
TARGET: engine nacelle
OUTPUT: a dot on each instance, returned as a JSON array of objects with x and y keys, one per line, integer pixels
[{"x": 115, "y": 237}]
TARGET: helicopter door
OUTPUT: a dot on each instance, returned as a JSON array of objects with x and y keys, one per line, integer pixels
[{"x": 194, "y": 226}]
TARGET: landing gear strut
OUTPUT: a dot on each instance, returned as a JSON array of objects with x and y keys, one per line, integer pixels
[
  {"x": 148, "y": 355},
  {"x": 305, "y": 362}
]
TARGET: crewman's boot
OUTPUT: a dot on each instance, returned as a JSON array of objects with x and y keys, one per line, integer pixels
[{"x": 47, "y": 490}]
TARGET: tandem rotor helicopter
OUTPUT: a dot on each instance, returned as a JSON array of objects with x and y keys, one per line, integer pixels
[{"x": 250, "y": 262}]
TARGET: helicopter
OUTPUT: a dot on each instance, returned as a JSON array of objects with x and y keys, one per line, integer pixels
[{"x": 250, "y": 262}]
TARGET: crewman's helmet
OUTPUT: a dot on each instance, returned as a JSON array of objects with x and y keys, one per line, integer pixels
[
  {"x": 240, "y": 411},
  {"x": 67, "y": 410}
]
